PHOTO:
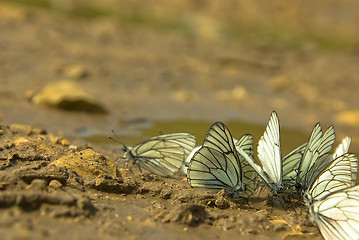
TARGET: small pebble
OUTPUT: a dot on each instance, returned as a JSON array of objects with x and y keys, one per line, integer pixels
[
  {"x": 54, "y": 139},
  {"x": 64, "y": 142},
  {"x": 55, "y": 184}
]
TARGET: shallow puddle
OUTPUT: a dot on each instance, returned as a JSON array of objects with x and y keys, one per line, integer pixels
[{"x": 290, "y": 138}]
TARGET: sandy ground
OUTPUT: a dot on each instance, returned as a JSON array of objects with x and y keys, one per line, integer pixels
[{"x": 141, "y": 74}]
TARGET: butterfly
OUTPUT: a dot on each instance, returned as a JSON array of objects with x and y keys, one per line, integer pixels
[
  {"x": 162, "y": 155},
  {"x": 245, "y": 143},
  {"x": 333, "y": 199},
  {"x": 316, "y": 157},
  {"x": 340, "y": 174},
  {"x": 278, "y": 174},
  {"x": 337, "y": 215},
  {"x": 217, "y": 164}
]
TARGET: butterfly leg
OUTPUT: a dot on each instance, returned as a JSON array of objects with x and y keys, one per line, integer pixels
[
  {"x": 249, "y": 205},
  {"x": 139, "y": 167},
  {"x": 282, "y": 201},
  {"x": 125, "y": 164}
]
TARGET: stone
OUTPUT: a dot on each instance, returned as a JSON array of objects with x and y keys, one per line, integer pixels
[
  {"x": 55, "y": 184},
  {"x": 68, "y": 95},
  {"x": 88, "y": 163}
]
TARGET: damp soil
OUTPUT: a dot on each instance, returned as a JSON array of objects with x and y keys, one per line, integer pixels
[
  {"x": 40, "y": 199},
  {"x": 144, "y": 75}
]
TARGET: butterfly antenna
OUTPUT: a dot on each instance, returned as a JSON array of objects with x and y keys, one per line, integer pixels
[
  {"x": 116, "y": 139},
  {"x": 124, "y": 147}
]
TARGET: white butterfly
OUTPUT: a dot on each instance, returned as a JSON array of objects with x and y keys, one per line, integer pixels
[
  {"x": 162, "y": 155},
  {"x": 279, "y": 174},
  {"x": 333, "y": 201},
  {"x": 217, "y": 165},
  {"x": 340, "y": 174},
  {"x": 316, "y": 157},
  {"x": 337, "y": 215}
]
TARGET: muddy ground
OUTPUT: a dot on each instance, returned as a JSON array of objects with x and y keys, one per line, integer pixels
[
  {"x": 142, "y": 73},
  {"x": 87, "y": 197}
]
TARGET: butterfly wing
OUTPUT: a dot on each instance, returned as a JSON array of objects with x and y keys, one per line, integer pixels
[
  {"x": 313, "y": 143},
  {"x": 322, "y": 157},
  {"x": 290, "y": 165},
  {"x": 249, "y": 174},
  {"x": 337, "y": 176},
  {"x": 343, "y": 147},
  {"x": 163, "y": 155},
  {"x": 183, "y": 169},
  {"x": 269, "y": 154},
  {"x": 213, "y": 170},
  {"x": 219, "y": 138},
  {"x": 316, "y": 156},
  {"x": 216, "y": 165},
  {"x": 337, "y": 215}
]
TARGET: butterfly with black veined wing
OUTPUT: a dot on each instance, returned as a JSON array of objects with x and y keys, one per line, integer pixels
[
  {"x": 216, "y": 165},
  {"x": 333, "y": 205},
  {"x": 293, "y": 164},
  {"x": 278, "y": 174},
  {"x": 316, "y": 157},
  {"x": 337, "y": 215},
  {"x": 340, "y": 174},
  {"x": 162, "y": 155}
]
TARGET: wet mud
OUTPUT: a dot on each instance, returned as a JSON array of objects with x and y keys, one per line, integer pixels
[{"x": 40, "y": 197}]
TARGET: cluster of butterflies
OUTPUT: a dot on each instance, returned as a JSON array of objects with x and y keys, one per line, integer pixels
[{"x": 325, "y": 182}]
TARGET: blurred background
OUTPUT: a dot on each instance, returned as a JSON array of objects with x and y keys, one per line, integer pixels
[{"x": 81, "y": 68}]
